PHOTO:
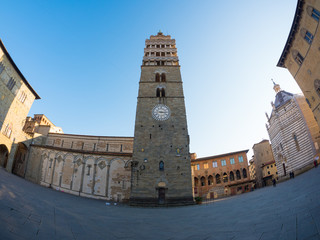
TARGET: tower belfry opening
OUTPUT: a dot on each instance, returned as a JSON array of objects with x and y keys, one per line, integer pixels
[{"x": 160, "y": 176}]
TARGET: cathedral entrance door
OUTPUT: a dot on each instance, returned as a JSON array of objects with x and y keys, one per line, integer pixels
[
  {"x": 162, "y": 195},
  {"x": 284, "y": 169},
  {"x": 3, "y": 155}
]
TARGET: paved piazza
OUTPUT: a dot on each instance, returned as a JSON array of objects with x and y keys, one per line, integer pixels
[{"x": 289, "y": 211}]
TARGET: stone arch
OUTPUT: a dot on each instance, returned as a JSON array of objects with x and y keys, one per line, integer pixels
[
  {"x": 49, "y": 167},
  {"x": 127, "y": 163},
  {"x": 88, "y": 175},
  {"x": 196, "y": 181},
  {"x": 77, "y": 173},
  {"x": 4, "y": 153},
  {"x": 101, "y": 176},
  {"x": 67, "y": 171},
  {"x": 119, "y": 180},
  {"x": 19, "y": 162},
  {"x": 57, "y": 171}
]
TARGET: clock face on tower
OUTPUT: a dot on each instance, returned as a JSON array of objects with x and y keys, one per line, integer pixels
[{"x": 161, "y": 112}]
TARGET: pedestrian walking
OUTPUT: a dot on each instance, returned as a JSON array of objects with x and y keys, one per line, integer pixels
[{"x": 274, "y": 182}]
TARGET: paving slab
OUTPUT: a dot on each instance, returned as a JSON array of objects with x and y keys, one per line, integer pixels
[{"x": 291, "y": 210}]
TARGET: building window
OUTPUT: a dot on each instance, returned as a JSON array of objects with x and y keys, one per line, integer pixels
[
  {"x": 240, "y": 159},
  {"x": 1, "y": 67},
  {"x": 232, "y": 161},
  {"x": 296, "y": 142},
  {"x": 11, "y": 84},
  {"x": 268, "y": 173},
  {"x": 308, "y": 37},
  {"x": 271, "y": 166},
  {"x": 268, "y": 167},
  {"x": 157, "y": 77},
  {"x": 197, "y": 167},
  {"x": 307, "y": 100},
  {"x": 22, "y": 97},
  {"x": 163, "y": 77},
  {"x": 214, "y": 164},
  {"x": 205, "y": 166},
  {"x": 297, "y": 57},
  {"x": 225, "y": 177},
  {"x": 8, "y": 130},
  {"x": 161, "y": 165},
  {"x": 317, "y": 86},
  {"x": 315, "y": 14},
  {"x": 231, "y": 176},
  {"x": 210, "y": 180},
  {"x": 223, "y": 162},
  {"x": 244, "y": 173},
  {"x": 238, "y": 175},
  {"x": 218, "y": 180},
  {"x": 203, "y": 181},
  {"x": 160, "y": 92}
]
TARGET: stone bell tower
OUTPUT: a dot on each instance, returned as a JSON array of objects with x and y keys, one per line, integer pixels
[{"x": 161, "y": 171}]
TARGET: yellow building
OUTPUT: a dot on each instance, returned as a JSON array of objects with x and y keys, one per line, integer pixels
[
  {"x": 301, "y": 53},
  {"x": 16, "y": 98},
  {"x": 269, "y": 172}
]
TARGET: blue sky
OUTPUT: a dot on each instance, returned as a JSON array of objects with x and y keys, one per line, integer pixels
[{"x": 83, "y": 58}]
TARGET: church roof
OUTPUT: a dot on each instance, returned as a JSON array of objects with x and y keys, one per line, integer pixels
[
  {"x": 282, "y": 98},
  {"x": 17, "y": 70}
]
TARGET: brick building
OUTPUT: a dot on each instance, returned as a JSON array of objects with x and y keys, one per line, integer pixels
[{"x": 221, "y": 175}]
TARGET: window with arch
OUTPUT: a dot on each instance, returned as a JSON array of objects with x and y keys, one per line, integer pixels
[
  {"x": 225, "y": 177},
  {"x": 157, "y": 77},
  {"x": 317, "y": 86},
  {"x": 210, "y": 180},
  {"x": 161, "y": 165},
  {"x": 203, "y": 181},
  {"x": 231, "y": 176},
  {"x": 314, "y": 13},
  {"x": 297, "y": 57},
  {"x": 8, "y": 130},
  {"x": 244, "y": 173},
  {"x": 161, "y": 92},
  {"x": 218, "y": 179},
  {"x": 163, "y": 77},
  {"x": 196, "y": 181},
  {"x": 238, "y": 175}
]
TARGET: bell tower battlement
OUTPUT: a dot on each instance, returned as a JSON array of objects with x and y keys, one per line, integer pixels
[{"x": 160, "y": 50}]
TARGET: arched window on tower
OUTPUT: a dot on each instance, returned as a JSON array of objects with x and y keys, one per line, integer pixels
[
  {"x": 157, "y": 77},
  {"x": 161, "y": 165},
  {"x": 163, "y": 77},
  {"x": 161, "y": 92}
]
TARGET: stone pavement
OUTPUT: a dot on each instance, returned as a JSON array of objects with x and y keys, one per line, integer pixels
[{"x": 289, "y": 211}]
